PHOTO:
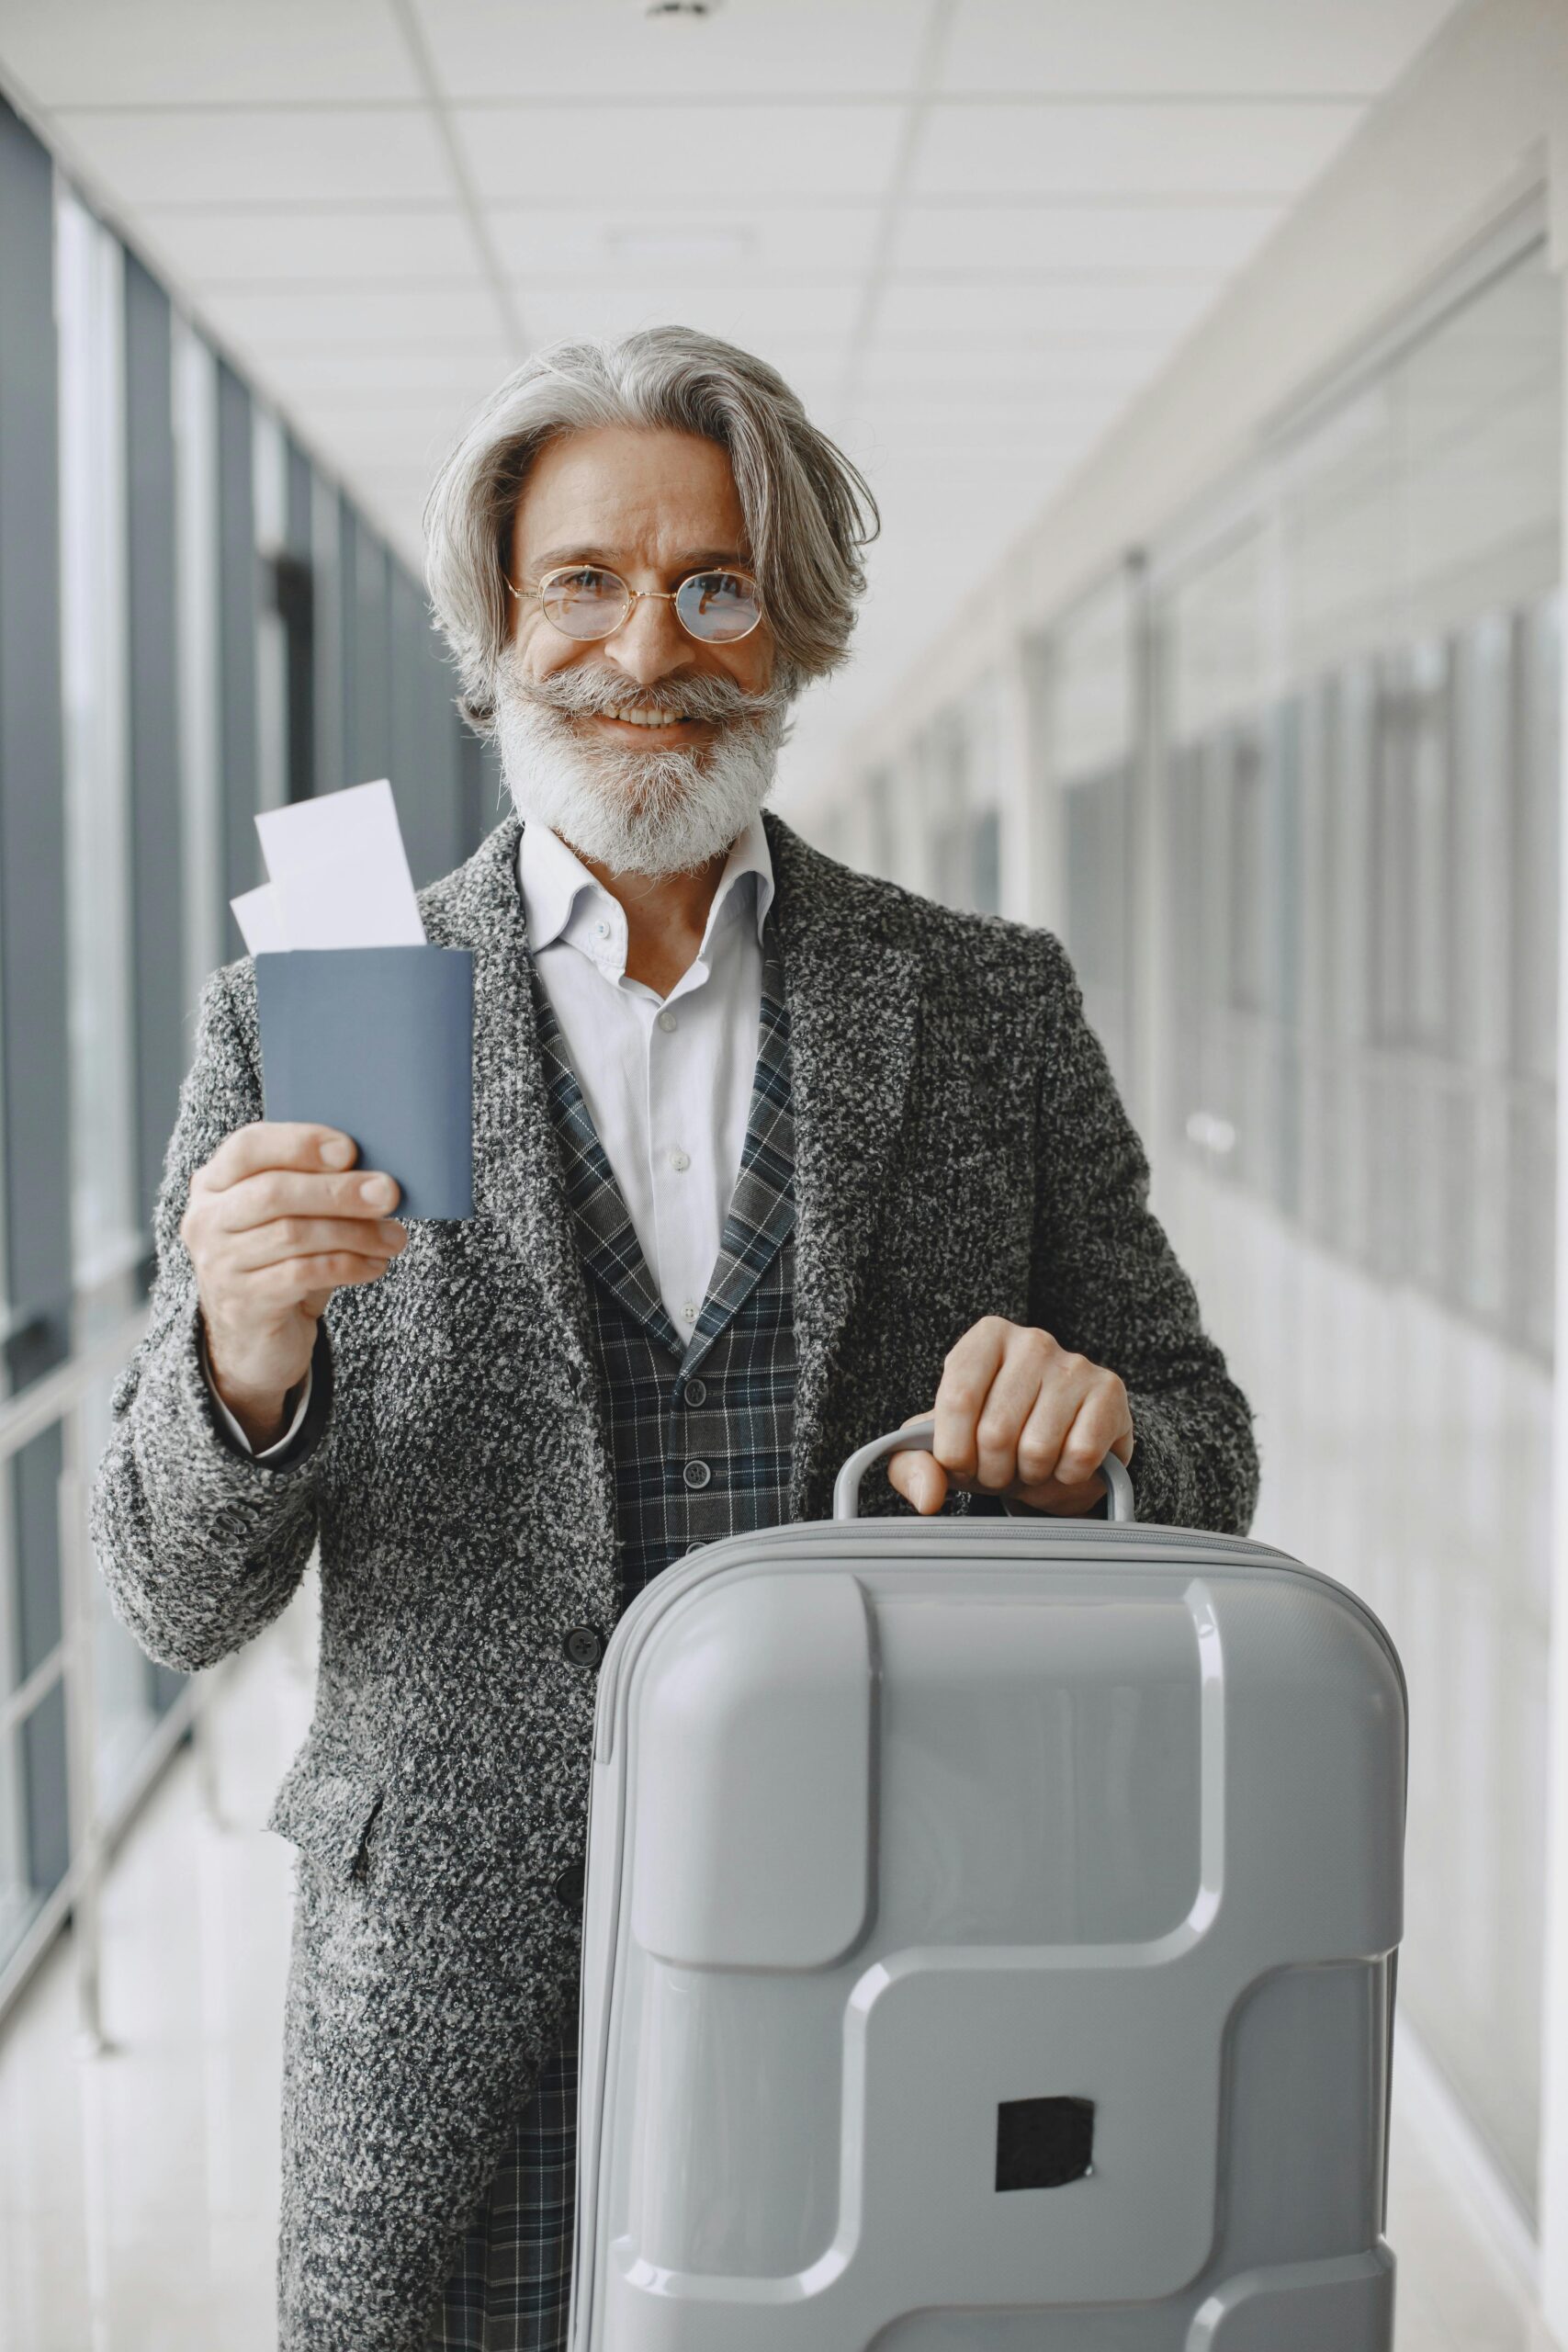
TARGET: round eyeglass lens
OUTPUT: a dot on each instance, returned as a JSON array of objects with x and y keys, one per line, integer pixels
[
  {"x": 718, "y": 607},
  {"x": 585, "y": 602}
]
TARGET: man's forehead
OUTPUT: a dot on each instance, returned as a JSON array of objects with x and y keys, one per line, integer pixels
[{"x": 603, "y": 489}]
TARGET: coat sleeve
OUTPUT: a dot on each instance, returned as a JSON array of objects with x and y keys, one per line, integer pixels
[
  {"x": 201, "y": 1544},
  {"x": 1106, "y": 1283}
]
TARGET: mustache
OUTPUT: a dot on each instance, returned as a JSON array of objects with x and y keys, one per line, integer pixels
[{"x": 589, "y": 694}]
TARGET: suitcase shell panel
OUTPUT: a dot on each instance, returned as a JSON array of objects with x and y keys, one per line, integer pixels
[{"x": 989, "y": 1939}]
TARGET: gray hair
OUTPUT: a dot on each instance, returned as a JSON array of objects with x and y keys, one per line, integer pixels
[{"x": 808, "y": 511}]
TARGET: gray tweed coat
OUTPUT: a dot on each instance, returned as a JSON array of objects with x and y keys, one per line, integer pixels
[{"x": 961, "y": 1151}]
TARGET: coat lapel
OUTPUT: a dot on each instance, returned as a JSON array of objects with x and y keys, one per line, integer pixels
[
  {"x": 519, "y": 1182},
  {"x": 853, "y": 999}
]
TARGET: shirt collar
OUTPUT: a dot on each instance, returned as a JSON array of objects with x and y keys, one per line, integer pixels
[{"x": 563, "y": 899}]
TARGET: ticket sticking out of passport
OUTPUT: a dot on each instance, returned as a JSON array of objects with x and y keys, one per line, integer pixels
[
  {"x": 364, "y": 1026},
  {"x": 377, "y": 1041}
]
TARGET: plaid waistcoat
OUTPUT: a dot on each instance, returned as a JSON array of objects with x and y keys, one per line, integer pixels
[
  {"x": 701, "y": 1439},
  {"x": 700, "y": 1436}
]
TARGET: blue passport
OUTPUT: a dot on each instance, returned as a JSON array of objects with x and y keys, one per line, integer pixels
[{"x": 379, "y": 1041}]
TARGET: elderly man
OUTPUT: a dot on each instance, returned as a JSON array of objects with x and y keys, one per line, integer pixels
[{"x": 769, "y": 1157}]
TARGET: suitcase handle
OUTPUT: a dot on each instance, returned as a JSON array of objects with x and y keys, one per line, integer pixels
[{"x": 922, "y": 1435}]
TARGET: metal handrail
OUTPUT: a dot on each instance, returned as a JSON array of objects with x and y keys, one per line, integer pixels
[
  {"x": 57, "y": 1397},
  {"x": 49, "y": 1398}
]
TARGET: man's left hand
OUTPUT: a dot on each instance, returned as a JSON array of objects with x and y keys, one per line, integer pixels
[{"x": 1019, "y": 1416}]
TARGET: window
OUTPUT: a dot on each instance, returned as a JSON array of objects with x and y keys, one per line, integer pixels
[
  {"x": 1360, "y": 760},
  {"x": 90, "y": 296}
]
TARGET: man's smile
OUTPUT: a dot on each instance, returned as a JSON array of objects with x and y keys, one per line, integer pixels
[{"x": 652, "y": 729}]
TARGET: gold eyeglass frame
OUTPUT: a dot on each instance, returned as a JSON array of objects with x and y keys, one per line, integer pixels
[{"x": 636, "y": 595}]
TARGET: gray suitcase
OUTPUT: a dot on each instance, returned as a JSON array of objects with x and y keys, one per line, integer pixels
[{"x": 989, "y": 1944}]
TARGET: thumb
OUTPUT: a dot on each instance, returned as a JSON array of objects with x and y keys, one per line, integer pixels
[{"x": 919, "y": 1478}]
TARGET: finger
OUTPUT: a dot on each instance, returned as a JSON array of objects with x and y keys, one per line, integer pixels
[
  {"x": 1040, "y": 1440},
  {"x": 294, "y": 1236},
  {"x": 1098, "y": 1422},
  {"x": 919, "y": 1479},
  {"x": 294, "y": 1278},
  {"x": 276, "y": 1143},
  {"x": 1030, "y": 1368},
  {"x": 271, "y": 1192},
  {"x": 968, "y": 1369}
]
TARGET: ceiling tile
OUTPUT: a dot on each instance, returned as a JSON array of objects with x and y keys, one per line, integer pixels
[
  {"x": 1127, "y": 150},
  {"x": 916, "y": 402},
  {"x": 341, "y": 317},
  {"x": 385, "y": 444},
  {"x": 398, "y": 422},
  {"x": 469, "y": 372},
  {"x": 1085, "y": 367},
  {"x": 1003, "y": 311},
  {"x": 407, "y": 484},
  {"x": 598, "y": 48},
  {"x": 762, "y": 318},
  {"x": 1340, "y": 46},
  {"x": 676, "y": 238},
  {"x": 1199, "y": 236},
  {"x": 721, "y": 153},
  {"x": 222, "y": 248},
  {"x": 166, "y": 52},
  {"x": 221, "y": 154}
]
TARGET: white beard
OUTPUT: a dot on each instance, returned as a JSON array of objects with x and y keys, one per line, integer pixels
[{"x": 660, "y": 811}]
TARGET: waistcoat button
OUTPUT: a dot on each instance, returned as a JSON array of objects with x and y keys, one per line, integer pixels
[
  {"x": 571, "y": 1882},
  {"x": 696, "y": 1390},
  {"x": 583, "y": 1645},
  {"x": 696, "y": 1473}
]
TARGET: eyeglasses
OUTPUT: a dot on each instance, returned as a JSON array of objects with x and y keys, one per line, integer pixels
[{"x": 585, "y": 601}]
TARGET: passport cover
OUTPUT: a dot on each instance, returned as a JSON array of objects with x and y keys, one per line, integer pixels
[{"x": 379, "y": 1041}]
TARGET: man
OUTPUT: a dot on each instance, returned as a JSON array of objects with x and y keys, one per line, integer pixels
[{"x": 769, "y": 1157}]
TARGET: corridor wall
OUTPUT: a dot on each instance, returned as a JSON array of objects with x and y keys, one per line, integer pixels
[{"x": 1284, "y": 771}]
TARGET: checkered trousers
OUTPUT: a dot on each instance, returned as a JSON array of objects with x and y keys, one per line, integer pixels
[{"x": 702, "y": 1441}]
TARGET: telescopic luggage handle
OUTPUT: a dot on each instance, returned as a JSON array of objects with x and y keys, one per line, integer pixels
[{"x": 921, "y": 1436}]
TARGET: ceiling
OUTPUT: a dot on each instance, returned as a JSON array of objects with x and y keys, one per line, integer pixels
[{"x": 967, "y": 230}]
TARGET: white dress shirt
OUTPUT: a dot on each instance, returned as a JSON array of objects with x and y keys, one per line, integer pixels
[{"x": 668, "y": 1081}]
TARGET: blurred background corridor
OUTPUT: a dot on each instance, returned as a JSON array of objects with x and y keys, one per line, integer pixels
[{"x": 1207, "y": 359}]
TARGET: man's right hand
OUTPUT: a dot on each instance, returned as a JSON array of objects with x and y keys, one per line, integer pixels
[{"x": 273, "y": 1227}]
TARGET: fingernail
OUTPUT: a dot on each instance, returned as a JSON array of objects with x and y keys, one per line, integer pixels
[
  {"x": 338, "y": 1152},
  {"x": 377, "y": 1191}
]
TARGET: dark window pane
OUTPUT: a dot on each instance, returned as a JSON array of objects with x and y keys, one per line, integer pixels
[{"x": 46, "y": 1788}]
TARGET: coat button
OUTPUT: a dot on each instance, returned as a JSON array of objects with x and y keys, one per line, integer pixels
[
  {"x": 569, "y": 1884},
  {"x": 696, "y": 1390},
  {"x": 583, "y": 1645},
  {"x": 696, "y": 1473}
]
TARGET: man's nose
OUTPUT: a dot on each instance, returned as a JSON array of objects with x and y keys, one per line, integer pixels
[{"x": 650, "y": 642}]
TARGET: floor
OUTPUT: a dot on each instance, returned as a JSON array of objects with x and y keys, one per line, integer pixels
[{"x": 139, "y": 2189}]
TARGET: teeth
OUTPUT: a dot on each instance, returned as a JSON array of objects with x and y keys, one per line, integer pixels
[{"x": 645, "y": 718}]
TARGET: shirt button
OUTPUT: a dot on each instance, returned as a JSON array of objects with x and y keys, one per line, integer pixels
[
  {"x": 696, "y": 1473},
  {"x": 667, "y": 1021},
  {"x": 602, "y": 928},
  {"x": 583, "y": 1645},
  {"x": 680, "y": 1160},
  {"x": 696, "y": 1391},
  {"x": 689, "y": 1311}
]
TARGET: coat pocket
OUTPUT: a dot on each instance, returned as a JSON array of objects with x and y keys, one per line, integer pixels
[{"x": 326, "y": 1808}]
